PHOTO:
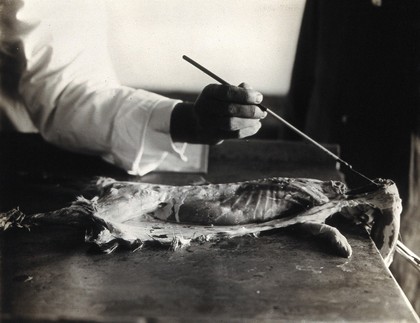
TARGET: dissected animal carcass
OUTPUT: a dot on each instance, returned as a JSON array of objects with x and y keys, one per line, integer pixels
[{"x": 131, "y": 214}]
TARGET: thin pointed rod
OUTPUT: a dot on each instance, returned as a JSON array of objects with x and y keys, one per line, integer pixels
[{"x": 286, "y": 123}]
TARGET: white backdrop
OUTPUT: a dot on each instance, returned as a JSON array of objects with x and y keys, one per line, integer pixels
[{"x": 242, "y": 40}]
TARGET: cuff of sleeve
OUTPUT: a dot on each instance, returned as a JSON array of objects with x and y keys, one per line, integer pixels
[
  {"x": 157, "y": 142},
  {"x": 140, "y": 140},
  {"x": 159, "y": 126}
]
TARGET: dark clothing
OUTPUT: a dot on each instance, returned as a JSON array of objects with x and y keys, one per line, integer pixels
[{"x": 356, "y": 82}]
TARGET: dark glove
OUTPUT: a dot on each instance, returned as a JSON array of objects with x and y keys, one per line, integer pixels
[{"x": 220, "y": 112}]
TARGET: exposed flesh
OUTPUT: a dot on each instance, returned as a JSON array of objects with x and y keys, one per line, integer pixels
[{"x": 131, "y": 213}]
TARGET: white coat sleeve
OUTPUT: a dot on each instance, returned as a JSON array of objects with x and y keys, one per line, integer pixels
[{"x": 73, "y": 96}]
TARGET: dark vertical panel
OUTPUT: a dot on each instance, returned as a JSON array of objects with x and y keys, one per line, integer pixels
[{"x": 355, "y": 81}]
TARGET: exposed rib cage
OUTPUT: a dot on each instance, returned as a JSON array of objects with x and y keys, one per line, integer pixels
[
  {"x": 131, "y": 214},
  {"x": 222, "y": 204}
]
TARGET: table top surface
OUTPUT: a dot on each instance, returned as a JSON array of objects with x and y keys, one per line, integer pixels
[{"x": 51, "y": 274}]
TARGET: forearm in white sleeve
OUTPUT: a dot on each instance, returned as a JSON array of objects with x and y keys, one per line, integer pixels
[{"x": 73, "y": 96}]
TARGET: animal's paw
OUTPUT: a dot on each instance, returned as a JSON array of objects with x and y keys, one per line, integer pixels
[{"x": 331, "y": 236}]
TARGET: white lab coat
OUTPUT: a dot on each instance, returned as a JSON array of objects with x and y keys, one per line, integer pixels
[{"x": 72, "y": 96}]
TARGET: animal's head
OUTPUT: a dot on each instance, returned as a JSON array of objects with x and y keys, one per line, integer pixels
[{"x": 380, "y": 209}]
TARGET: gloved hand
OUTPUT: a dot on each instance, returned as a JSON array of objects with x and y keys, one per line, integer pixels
[{"x": 220, "y": 112}]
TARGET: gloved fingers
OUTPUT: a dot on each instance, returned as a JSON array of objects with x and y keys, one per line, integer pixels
[
  {"x": 249, "y": 131},
  {"x": 330, "y": 235},
  {"x": 240, "y": 123},
  {"x": 227, "y": 112},
  {"x": 245, "y": 86},
  {"x": 235, "y": 134},
  {"x": 229, "y": 124},
  {"x": 210, "y": 108},
  {"x": 231, "y": 93},
  {"x": 241, "y": 111}
]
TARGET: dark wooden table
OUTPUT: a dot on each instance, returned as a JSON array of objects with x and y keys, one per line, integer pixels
[{"x": 50, "y": 274}]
